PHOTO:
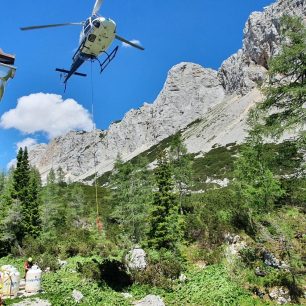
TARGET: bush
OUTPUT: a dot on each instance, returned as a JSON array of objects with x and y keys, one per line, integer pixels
[
  {"x": 46, "y": 260},
  {"x": 211, "y": 217},
  {"x": 163, "y": 267},
  {"x": 211, "y": 286},
  {"x": 60, "y": 285}
]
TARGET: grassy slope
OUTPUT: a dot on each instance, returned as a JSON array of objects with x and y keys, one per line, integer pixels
[{"x": 214, "y": 285}]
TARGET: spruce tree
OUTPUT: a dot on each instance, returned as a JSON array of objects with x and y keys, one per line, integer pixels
[
  {"x": 21, "y": 177},
  {"x": 32, "y": 208},
  {"x": 25, "y": 193},
  {"x": 165, "y": 220}
]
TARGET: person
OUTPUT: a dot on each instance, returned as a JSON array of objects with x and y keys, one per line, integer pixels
[{"x": 28, "y": 265}]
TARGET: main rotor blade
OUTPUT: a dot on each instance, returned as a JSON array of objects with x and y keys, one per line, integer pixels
[
  {"x": 97, "y": 7},
  {"x": 129, "y": 42},
  {"x": 50, "y": 26}
]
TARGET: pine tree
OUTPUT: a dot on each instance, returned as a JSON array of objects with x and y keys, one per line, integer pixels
[
  {"x": 21, "y": 177},
  {"x": 286, "y": 91},
  {"x": 33, "y": 206},
  {"x": 25, "y": 193},
  {"x": 60, "y": 177},
  {"x": 165, "y": 220}
]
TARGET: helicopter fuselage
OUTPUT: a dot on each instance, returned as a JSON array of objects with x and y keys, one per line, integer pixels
[{"x": 97, "y": 35}]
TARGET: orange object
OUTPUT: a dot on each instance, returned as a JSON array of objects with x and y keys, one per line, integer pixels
[{"x": 99, "y": 224}]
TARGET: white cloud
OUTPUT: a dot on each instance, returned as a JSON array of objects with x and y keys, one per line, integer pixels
[
  {"x": 135, "y": 41},
  {"x": 11, "y": 164},
  {"x": 27, "y": 142},
  {"x": 47, "y": 113}
]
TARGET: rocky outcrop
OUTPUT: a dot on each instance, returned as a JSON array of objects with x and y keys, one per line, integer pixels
[
  {"x": 189, "y": 92},
  {"x": 209, "y": 107},
  {"x": 247, "y": 68}
]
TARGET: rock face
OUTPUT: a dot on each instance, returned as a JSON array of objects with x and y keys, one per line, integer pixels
[
  {"x": 217, "y": 103},
  {"x": 190, "y": 90},
  {"x": 247, "y": 68}
]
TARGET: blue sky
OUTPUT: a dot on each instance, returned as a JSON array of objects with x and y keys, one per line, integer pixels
[{"x": 201, "y": 31}]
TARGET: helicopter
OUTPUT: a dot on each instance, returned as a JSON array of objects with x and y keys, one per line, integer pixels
[{"x": 96, "y": 36}]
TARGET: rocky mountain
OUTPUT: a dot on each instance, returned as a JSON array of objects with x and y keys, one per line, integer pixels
[{"x": 210, "y": 106}]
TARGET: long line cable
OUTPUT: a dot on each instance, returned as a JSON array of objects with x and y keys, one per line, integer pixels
[{"x": 95, "y": 152}]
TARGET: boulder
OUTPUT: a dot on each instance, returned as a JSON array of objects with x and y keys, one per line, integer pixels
[
  {"x": 280, "y": 295},
  {"x": 271, "y": 261},
  {"x": 150, "y": 300},
  {"x": 33, "y": 302},
  {"x": 136, "y": 259},
  {"x": 77, "y": 295}
]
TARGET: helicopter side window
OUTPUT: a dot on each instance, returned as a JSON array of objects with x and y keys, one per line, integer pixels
[
  {"x": 87, "y": 26},
  {"x": 92, "y": 37},
  {"x": 86, "y": 23}
]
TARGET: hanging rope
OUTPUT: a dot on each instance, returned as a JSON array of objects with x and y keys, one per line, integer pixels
[{"x": 98, "y": 221}]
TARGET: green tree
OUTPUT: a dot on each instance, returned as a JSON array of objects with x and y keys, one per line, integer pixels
[
  {"x": 21, "y": 177},
  {"x": 182, "y": 169},
  {"x": 256, "y": 186},
  {"x": 10, "y": 217},
  {"x": 53, "y": 212},
  {"x": 165, "y": 220},
  {"x": 25, "y": 193},
  {"x": 60, "y": 177},
  {"x": 286, "y": 91},
  {"x": 31, "y": 211},
  {"x": 131, "y": 189},
  {"x": 75, "y": 203},
  {"x": 283, "y": 108}
]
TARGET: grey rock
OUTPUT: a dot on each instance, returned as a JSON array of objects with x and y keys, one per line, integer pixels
[
  {"x": 151, "y": 300},
  {"x": 62, "y": 263},
  {"x": 33, "y": 302},
  {"x": 231, "y": 238},
  {"x": 126, "y": 295},
  {"x": 259, "y": 272},
  {"x": 136, "y": 259},
  {"x": 280, "y": 295},
  {"x": 182, "y": 278},
  {"x": 272, "y": 261},
  {"x": 77, "y": 295}
]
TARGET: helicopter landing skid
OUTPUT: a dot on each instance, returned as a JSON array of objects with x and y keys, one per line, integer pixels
[{"x": 109, "y": 58}]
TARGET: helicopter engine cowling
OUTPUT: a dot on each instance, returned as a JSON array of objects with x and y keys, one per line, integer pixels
[{"x": 98, "y": 36}]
